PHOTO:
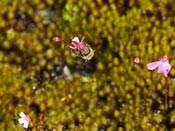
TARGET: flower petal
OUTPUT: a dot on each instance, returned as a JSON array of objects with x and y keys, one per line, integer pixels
[
  {"x": 78, "y": 45},
  {"x": 26, "y": 124},
  {"x": 21, "y": 120},
  {"x": 21, "y": 114},
  {"x": 160, "y": 69},
  {"x": 75, "y": 43},
  {"x": 82, "y": 39},
  {"x": 76, "y": 39},
  {"x": 167, "y": 69},
  {"x": 153, "y": 65},
  {"x": 72, "y": 47},
  {"x": 165, "y": 73}
]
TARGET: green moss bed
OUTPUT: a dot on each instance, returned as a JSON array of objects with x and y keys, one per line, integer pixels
[{"x": 108, "y": 93}]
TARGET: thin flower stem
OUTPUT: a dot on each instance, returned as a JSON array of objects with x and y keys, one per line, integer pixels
[
  {"x": 62, "y": 62},
  {"x": 62, "y": 56},
  {"x": 65, "y": 43},
  {"x": 166, "y": 93}
]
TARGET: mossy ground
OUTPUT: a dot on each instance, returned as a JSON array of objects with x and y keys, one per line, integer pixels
[{"x": 108, "y": 93}]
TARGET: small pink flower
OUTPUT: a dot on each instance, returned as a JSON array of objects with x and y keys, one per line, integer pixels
[
  {"x": 24, "y": 120},
  {"x": 56, "y": 39},
  {"x": 163, "y": 66},
  {"x": 137, "y": 60},
  {"x": 77, "y": 45}
]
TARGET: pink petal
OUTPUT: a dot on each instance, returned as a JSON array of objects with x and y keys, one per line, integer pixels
[
  {"x": 165, "y": 73},
  {"x": 164, "y": 68},
  {"x": 28, "y": 118},
  {"x": 160, "y": 69},
  {"x": 81, "y": 47},
  {"x": 153, "y": 65},
  {"x": 72, "y": 47},
  {"x": 78, "y": 45},
  {"x": 76, "y": 39},
  {"x": 167, "y": 69},
  {"x": 75, "y": 43}
]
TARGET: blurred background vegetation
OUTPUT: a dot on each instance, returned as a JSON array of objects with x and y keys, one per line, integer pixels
[{"x": 108, "y": 93}]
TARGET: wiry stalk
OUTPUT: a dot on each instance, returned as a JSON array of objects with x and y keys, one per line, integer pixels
[{"x": 166, "y": 93}]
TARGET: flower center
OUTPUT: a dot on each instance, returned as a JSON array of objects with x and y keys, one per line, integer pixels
[
  {"x": 28, "y": 118},
  {"x": 164, "y": 58}
]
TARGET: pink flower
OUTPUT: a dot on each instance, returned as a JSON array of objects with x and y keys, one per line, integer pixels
[
  {"x": 56, "y": 39},
  {"x": 137, "y": 60},
  {"x": 163, "y": 66},
  {"x": 24, "y": 120},
  {"x": 77, "y": 45}
]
